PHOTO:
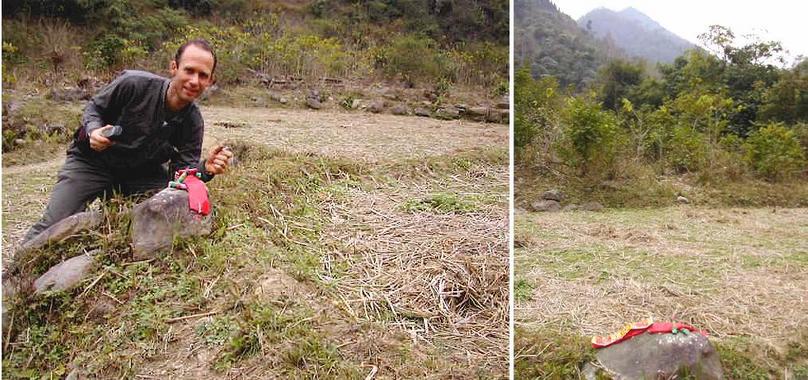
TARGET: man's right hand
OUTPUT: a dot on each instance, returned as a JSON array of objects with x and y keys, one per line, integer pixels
[{"x": 98, "y": 142}]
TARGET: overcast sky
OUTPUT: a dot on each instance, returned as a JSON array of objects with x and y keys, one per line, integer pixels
[{"x": 779, "y": 20}]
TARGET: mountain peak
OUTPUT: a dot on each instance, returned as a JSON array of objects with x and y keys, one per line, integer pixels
[
  {"x": 636, "y": 33},
  {"x": 636, "y": 15}
]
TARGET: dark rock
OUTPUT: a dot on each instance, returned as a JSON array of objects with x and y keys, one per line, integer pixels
[
  {"x": 315, "y": 94},
  {"x": 65, "y": 275},
  {"x": 682, "y": 200},
  {"x": 447, "y": 113},
  {"x": 545, "y": 205},
  {"x": 477, "y": 113},
  {"x": 313, "y": 103},
  {"x": 498, "y": 116},
  {"x": 662, "y": 356},
  {"x": 62, "y": 230},
  {"x": 422, "y": 112},
  {"x": 161, "y": 218},
  {"x": 376, "y": 106},
  {"x": 400, "y": 109},
  {"x": 503, "y": 104},
  {"x": 553, "y": 195},
  {"x": 591, "y": 206}
]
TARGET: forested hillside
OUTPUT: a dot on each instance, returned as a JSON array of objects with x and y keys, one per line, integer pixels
[
  {"x": 451, "y": 40},
  {"x": 635, "y": 33},
  {"x": 550, "y": 43},
  {"x": 710, "y": 120}
]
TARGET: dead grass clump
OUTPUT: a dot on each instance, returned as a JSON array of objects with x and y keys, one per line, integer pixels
[{"x": 434, "y": 275}]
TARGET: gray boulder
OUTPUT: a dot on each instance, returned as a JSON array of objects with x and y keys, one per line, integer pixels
[
  {"x": 65, "y": 275},
  {"x": 447, "y": 113},
  {"x": 277, "y": 97},
  {"x": 591, "y": 206},
  {"x": 497, "y": 116},
  {"x": 313, "y": 103},
  {"x": 545, "y": 205},
  {"x": 400, "y": 109},
  {"x": 477, "y": 113},
  {"x": 553, "y": 195},
  {"x": 571, "y": 207},
  {"x": 420, "y": 111},
  {"x": 62, "y": 230},
  {"x": 662, "y": 356},
  {"x": 376, "y": 106},
  {"x": 161, "y": 218}
]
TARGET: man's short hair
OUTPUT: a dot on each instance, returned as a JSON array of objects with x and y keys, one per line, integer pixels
[{"x": 200, "y": 43}]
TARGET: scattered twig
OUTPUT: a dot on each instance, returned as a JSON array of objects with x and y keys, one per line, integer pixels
[{"x": 177, "y": 319}]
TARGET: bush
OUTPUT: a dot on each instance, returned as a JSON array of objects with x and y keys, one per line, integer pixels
[
  {"x": 591, "y": 134},
  {"x": 775, "y": 152},
  {"x": 413, "y": 58},
  {"x": 687, "y": 150}
]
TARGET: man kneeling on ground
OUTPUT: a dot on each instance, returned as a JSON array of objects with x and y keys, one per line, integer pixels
[{"x": 131, "y": 129}]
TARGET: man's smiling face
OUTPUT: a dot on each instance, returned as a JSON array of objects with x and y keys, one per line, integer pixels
[{"x": 192, "y": 74}]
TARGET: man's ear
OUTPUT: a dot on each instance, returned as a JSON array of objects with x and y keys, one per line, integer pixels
[
  {"x": 212, "y": 79},
  {"x": 173, "y": 68}
]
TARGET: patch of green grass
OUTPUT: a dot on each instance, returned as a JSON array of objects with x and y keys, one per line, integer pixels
[
  {"x": 646, "y": 189},
  {"x": 442, "y": 203},
  {"x": 460, "y": 162},
  {"x": 550, "y": 354},
  {"x": 522, "y": 290},
  {"x": 745, "y": 357}
]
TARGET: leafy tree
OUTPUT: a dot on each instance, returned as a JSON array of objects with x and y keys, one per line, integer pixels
[
  {"x": 592, "y": 135},
  {"x": 787, "y": 99},
  {"x": 616, "y": 80},
  {"x": 536, "y": 104}
]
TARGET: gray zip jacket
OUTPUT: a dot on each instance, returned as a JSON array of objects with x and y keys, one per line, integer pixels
[{"x": 152, "y": 135}]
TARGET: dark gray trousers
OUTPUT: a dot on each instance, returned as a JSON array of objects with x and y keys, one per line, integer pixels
[{"x": 82, "y": 179}]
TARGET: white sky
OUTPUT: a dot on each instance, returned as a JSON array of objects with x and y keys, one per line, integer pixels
[{"x": 778, "y": 20}]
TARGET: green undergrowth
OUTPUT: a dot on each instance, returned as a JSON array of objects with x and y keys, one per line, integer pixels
[
  {"x": 440, "y": 203},
  {"x": 745, "y": 357},
  {"x": 660, "y": 191},
  {"x": 35, "y": 126},
  {"x": 267, "y": 216}
]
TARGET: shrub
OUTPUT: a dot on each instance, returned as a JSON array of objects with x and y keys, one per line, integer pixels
[
  {"x": 591, "y": 135},
  {"x": 413, "y": 58},
  {"x": 775, "y": 152},
  {"x": 687, "y": 149}
]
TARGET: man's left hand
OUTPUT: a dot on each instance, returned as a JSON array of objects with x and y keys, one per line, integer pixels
[{"x": 218, "y": 159}]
